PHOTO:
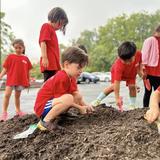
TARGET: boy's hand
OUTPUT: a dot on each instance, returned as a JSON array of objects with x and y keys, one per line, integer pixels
[
  {"x": 150, "y": 116},
  {"x": 119, "y": 103},
  {"x": 86, "y": 109},
  {"x": 90, "y": 109},
  {"x": 45, "y": 62}
]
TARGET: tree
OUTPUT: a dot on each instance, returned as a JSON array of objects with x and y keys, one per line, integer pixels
[
  {"x": 6, "y": 37},
  {"x": 103, "y": 42}
]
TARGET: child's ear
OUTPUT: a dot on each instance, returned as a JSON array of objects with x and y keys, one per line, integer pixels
[{"x": 66, "y": 63}]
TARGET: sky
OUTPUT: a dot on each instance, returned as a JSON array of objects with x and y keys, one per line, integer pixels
[{"x": 27, "y": 16}]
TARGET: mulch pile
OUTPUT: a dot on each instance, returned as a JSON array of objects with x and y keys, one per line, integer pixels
[{"x": 105, "y": 135}]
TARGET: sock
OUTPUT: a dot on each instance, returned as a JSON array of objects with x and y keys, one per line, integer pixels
[
  {"x": 132, "y": 101},
  {"x": 101, "y": 96}
]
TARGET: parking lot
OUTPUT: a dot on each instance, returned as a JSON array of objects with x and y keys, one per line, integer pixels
[{"x": 89, "y": 91}]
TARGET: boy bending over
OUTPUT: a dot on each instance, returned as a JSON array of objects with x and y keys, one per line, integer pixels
[{"x": 125, "y": 68}]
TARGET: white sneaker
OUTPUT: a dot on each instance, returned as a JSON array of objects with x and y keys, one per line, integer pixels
[
  {"x": 96, "y": 103},
  {"x": 131, "y": 107}
]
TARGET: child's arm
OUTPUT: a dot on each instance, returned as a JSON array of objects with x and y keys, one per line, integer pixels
[
  {"x": 80, "y": 104},
  {"x": 116, "y": 90},
  {"x": 141, "y": 71},
  {"x": 86, "y": 109},
  {"x": 45, "y": 62},
  {"x": 119, "y": 100},
  {"x": 4, "y": 71},
  {"x": 154, "y": 111}
]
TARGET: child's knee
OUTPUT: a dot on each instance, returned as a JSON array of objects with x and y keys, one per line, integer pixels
[
  {"x": 7, "y": 95},
  {"x": 68, "y": 99}
]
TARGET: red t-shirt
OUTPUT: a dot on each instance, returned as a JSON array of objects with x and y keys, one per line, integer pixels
[
  {"x": 48, "y": 35},
  {"x": 155, "y": 71},
  {"x": 54, "y": 87},
  {"x": 121, "y": 71},
  {"x": 18, "y": 67}
]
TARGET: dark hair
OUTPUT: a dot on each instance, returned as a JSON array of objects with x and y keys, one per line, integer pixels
[
  {"x": 157, "y": 29},
  {"x": 57, "y": 15},
  {"x": 20, "y": 42},
  {"x": 81, "y": 46},
  {"x": 75, "y": 55},
  {"x": 127, "y": 50}
]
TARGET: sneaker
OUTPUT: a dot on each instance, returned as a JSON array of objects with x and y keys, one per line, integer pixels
[
  {"x": 46, "y": 126},
  {"x": 4, "y": 116},
  {"x": 131, "y": 107},
  {"x": 96, "y": 103},
  {"x": 20, "y": 114}
]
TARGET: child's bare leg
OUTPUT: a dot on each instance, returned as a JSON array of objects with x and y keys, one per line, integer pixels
[
  {"x": 17, "y": 100},
  {"x": 132, "y": 95},
  {"x": 60, "y": 105},
  {"x": 7, "y": 95},
  {"x": 108, "y": 89},
  {"x": 103, "y": 94}
]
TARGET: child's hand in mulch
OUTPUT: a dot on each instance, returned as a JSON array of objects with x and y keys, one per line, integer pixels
[
  {"x": 86, "y": 110},
  {"x": 119, "y": 103},
  {"x": 151, "y": 116}
]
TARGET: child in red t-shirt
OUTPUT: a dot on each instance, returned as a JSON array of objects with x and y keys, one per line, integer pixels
[
  {"x": 50, "y": 56},
  {"x": 59, "y": 93},
  {"x": 153, "y": 113},
  {"x": 17, "y": 67},
  {"x": 151, "y": 61},
  {"x": 125, "y": 68}
]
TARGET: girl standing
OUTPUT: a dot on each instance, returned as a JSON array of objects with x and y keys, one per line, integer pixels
[
  {"x": 48, "y": 41},
  {"x": 17, "y": 67}
]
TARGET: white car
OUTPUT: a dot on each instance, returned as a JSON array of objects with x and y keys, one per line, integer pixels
[{"x": 103, "y": 76}]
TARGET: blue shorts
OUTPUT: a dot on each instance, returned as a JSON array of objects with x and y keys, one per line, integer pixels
[{"x": 47, "y": 108}]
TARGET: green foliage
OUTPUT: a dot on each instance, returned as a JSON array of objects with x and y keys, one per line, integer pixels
[
  {"x": 102, "y": 43},
  {"x": 6, "y": 37},
  {"x": 35, "y": 72}
]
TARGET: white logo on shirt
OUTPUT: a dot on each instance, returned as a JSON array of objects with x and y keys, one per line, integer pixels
[{"x": 24, "y": 61}]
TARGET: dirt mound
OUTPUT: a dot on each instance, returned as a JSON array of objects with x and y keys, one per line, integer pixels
[{"x": 105, "y": 135}]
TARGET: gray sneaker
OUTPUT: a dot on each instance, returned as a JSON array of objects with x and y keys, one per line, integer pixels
[{"x": 95, "y": 103}]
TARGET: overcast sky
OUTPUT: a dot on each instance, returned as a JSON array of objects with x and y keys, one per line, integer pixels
[{"x": 27, "y": 16}]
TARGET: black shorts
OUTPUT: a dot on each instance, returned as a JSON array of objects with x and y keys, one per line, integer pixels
[{"x": 48, "y": 74}]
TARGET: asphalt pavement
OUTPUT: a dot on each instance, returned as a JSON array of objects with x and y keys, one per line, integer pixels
[{"x": 89, "y": 91}]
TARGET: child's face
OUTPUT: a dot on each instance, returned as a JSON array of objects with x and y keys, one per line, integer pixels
[
  {"x": 73, "y": 69},
  {"x": 128, "y": 61},
  {"x": 18, "y": 48},
  {"x": 58, "y": 25}
]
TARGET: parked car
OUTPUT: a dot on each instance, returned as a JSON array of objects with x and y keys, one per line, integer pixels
[
  {"x": 103, "y": 76},
  {"x": 87, "y": 77}
]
